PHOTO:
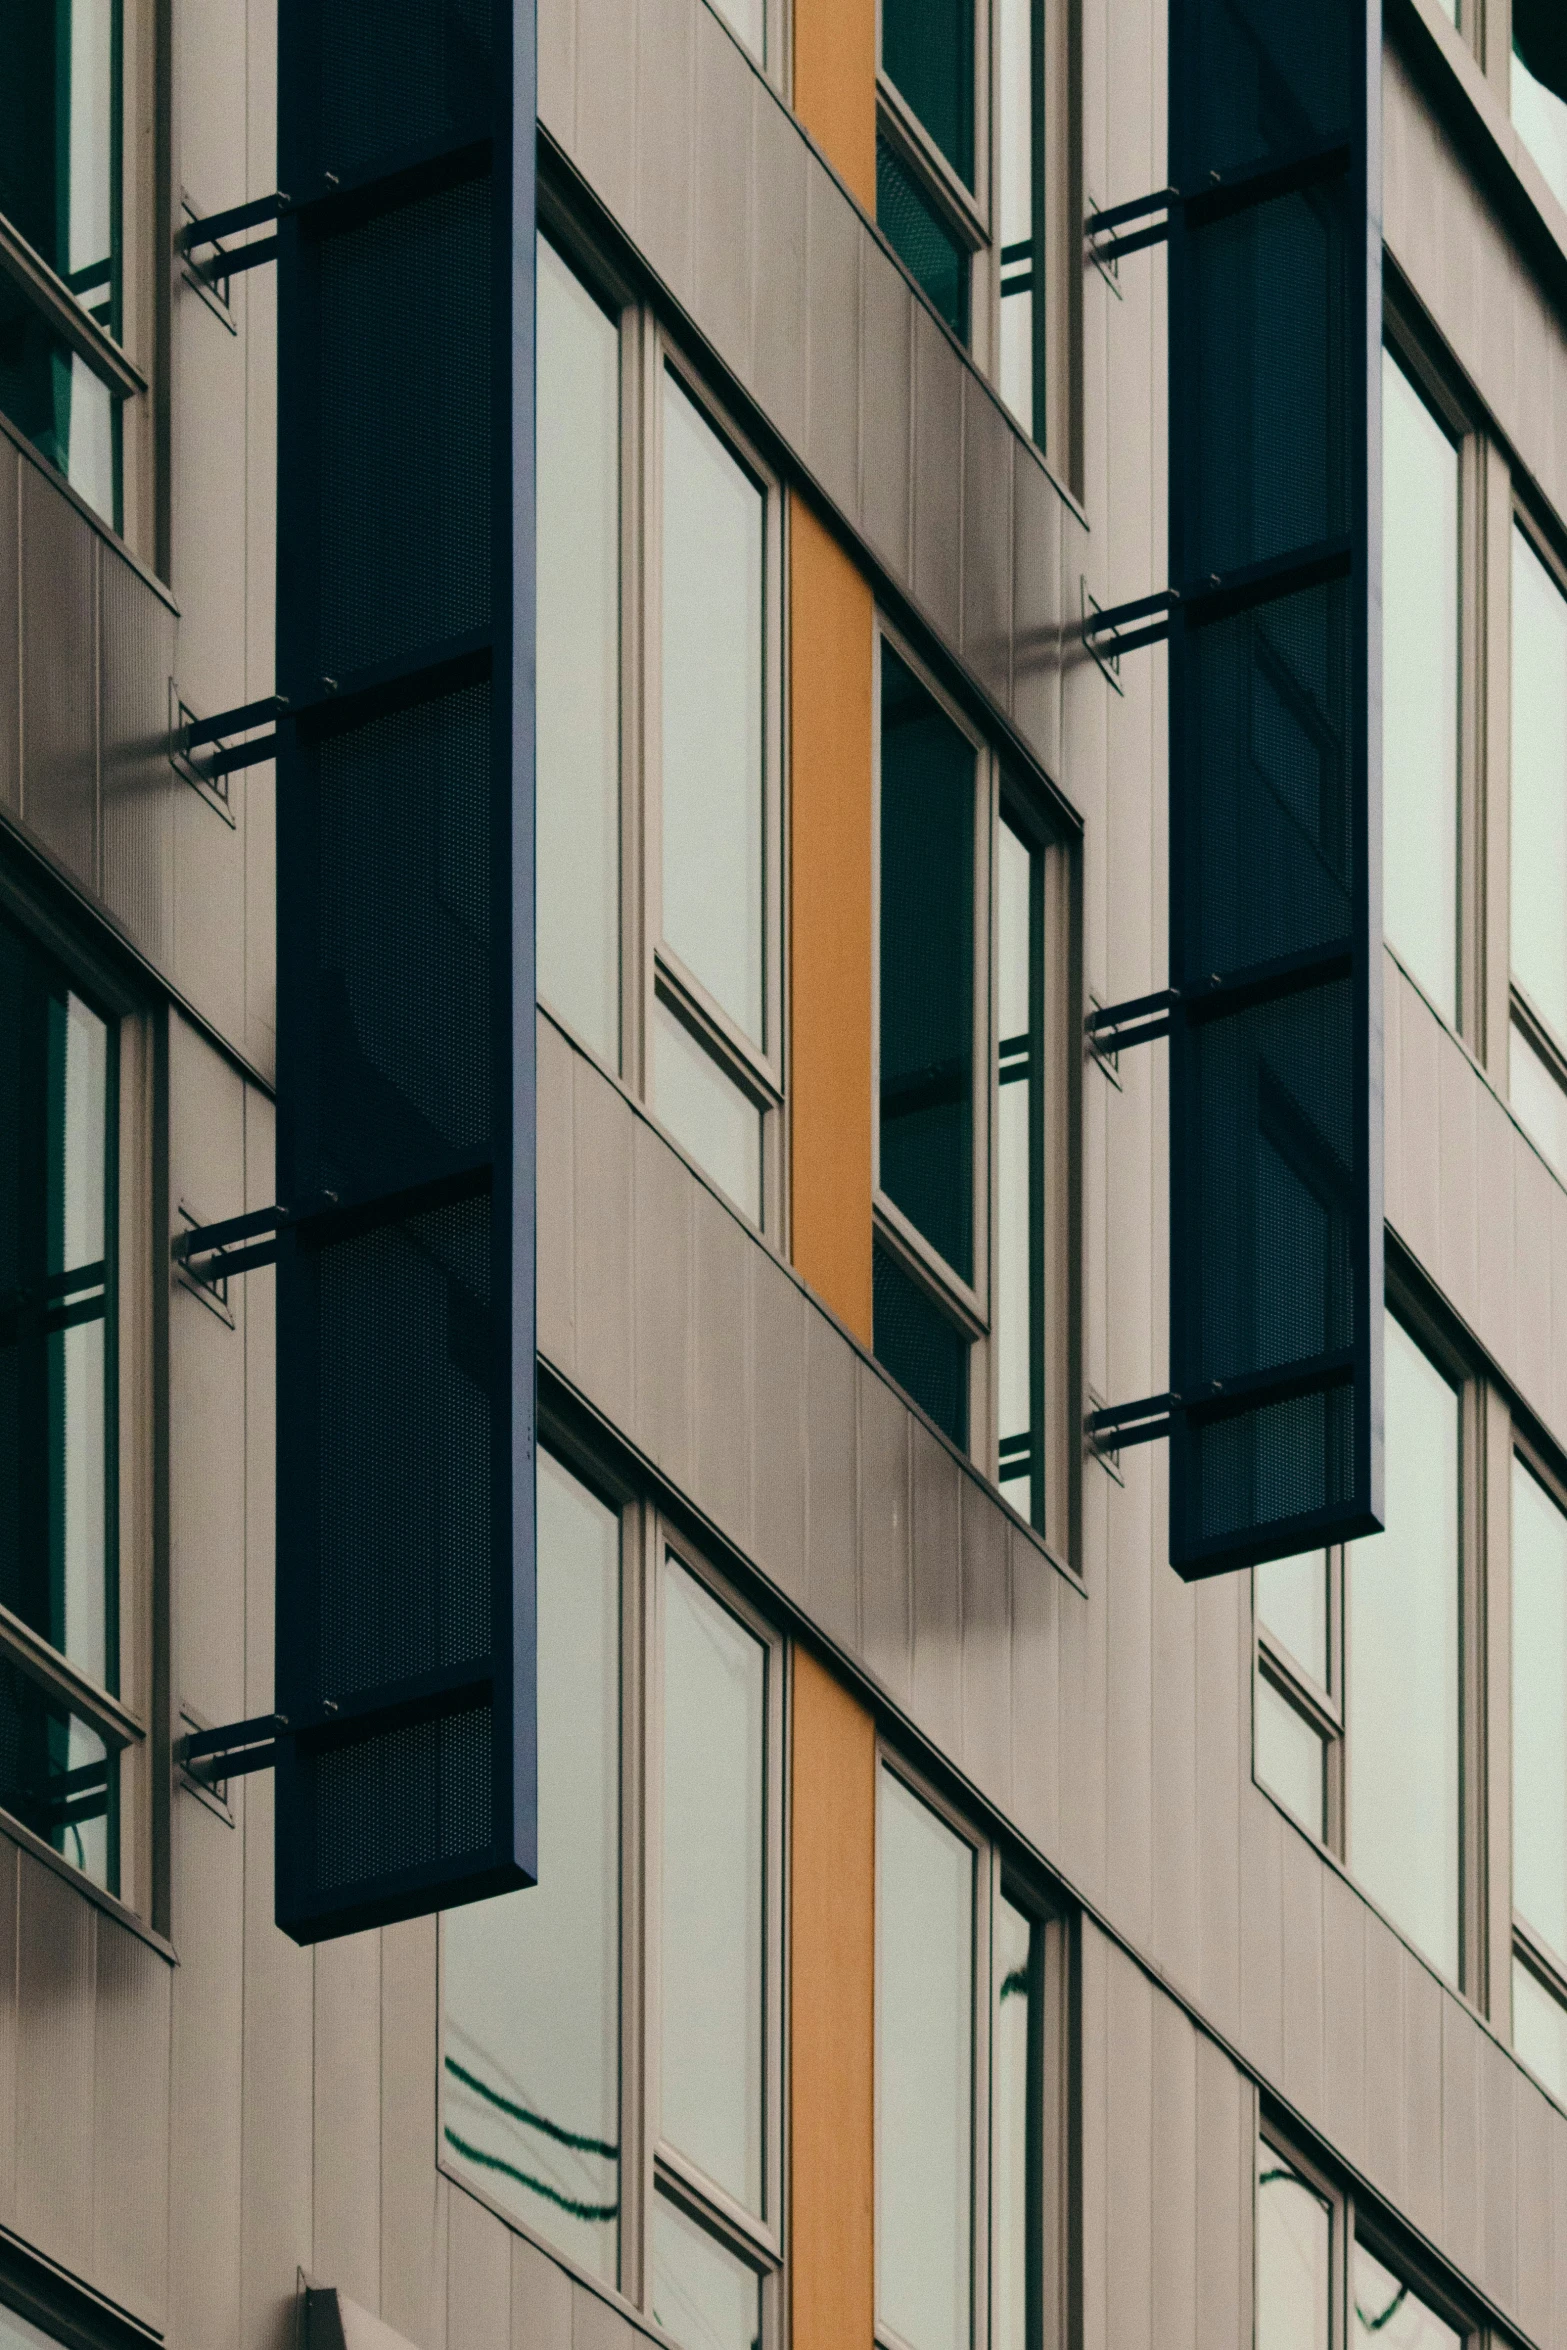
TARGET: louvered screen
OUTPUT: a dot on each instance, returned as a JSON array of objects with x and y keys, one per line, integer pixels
[
  {"x": 405, "y": 1481},
  {"x": 1275, "y": 295}
]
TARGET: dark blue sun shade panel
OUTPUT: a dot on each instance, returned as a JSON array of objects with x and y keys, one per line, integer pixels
[
  {"x": 405, "y": 1593},
  {"x": 1275, "y": 792}
]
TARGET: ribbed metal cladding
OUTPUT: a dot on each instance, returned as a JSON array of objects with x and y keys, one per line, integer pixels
[
  {"x": 1275, "y": 799},
  {"x": 406, "y": 1773}
]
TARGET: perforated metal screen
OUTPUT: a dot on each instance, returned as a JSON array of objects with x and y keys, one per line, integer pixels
[
  {"x": 405, "y": 1777},
  {"x": 1275, "y": 802}
]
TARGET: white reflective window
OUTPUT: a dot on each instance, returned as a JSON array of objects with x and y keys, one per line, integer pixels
[{"x": 1294, "y": 2258}]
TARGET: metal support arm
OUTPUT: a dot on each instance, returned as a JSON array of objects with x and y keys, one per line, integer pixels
[
  {"x": 211, "y": 1756},
  {"x": 1102, "y": 629},
  {"x": 228, "y": 261},
  {"x": 1142, "y": 1020},
  {"x": 1121, "y": 1424},
  {"x": 210, "y": 1252}
]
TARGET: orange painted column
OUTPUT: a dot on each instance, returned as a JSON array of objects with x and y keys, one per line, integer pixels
[
  {"x": 835, "y": 86},
  {"x": 830, "y": 969},
  {"x": 832, "y": 2252}
]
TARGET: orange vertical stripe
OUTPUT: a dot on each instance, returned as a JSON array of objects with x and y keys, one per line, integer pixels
[
  {"x": 831, "y": 628},
  {"x": 835, "y": 86},
  {"x": 832, "y": 1989}
]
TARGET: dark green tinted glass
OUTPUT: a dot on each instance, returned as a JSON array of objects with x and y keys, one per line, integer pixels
[
  {"x": 58, "y": 1777},
  {"x": 927, "y": 966},
  {"x": 926, "y": 1354},
  {"x": 51, "y": 394},
  {"x": 1540, "y": 39},
  {"x": 56, "y": 1314},
  {"x": 927, "y": 49},
  {"x": 935, "y": 258},
  {"x": 59, "y": 140}
]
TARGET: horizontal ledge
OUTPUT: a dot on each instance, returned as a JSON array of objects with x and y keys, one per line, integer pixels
[{"x": 65, "y": 314}]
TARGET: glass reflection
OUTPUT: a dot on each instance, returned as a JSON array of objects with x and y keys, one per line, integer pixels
[
  {"x": 1292, "y": 1602},
  {"x": 713, "y": 782},
  {"x": 1402, "y": 1666},
  {"x": 714, "y": 1842},
  {"x": 1290, "y": 1757},
  {"x": 703, "y": 2296},
  {"x": 1536, "y": 1098},
  {"x": 1014, "y": 2062},
  {"x": 1420, "y": 556},
  {"x": 532, "y": 2050},
  {"x": 1539, "y": 1709},
  {"x": 1540, "y": 2030},
  {"x": 58, "y": 139},
  {"x": 1539, "y": 88},
  {"x": 1294, "y": 2258},
  {"x": 1391, "y": 2314},
  {"x": 748, "y": 20},
  {"x": 578, "y": 525},
  {"x": 706, "y": 1112},
  {"x": 924, "y": 2058},
  {"x": 1539, "y": 786}
]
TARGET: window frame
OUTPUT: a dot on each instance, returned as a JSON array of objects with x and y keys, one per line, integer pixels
[
  {"x": 1543, "y": 541},
  {"x": 123, "y": 1718},
  {"x": 1519, "y": 1941},
  {"x": 650, "y": 973},
  {"x": 648, "y": 2165}
]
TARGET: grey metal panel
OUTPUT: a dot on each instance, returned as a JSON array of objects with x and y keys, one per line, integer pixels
[
  {"x": 1533, "y": 2297},
  {"x": 1176, "y": 2184},
  {"x": 832, "y": 1567},
  {"x": 540, "y": 2300},
  {"x": 9, "y": 1864},
  {"x": 60, "y": 676},
  {"x": 209, "y": 905},
  {"x": 1462, "y": 2210},
  {"x": 1129, "y": 2291},
  {"x": 722, "y": 305},
  {"x": 833, "y": 242},
  {"x": 1042, "y": 527},
  {"x": 725, "y": 1407},
  {"x": 1533, "y": 1188},
  {"x": 56, "y": 1966},
  {"x": 1131, "y": 1565},
  {"x": 986, "y": 1645},
  {"x": 1498, "y": 1140},
  {"x": 886, "y": 1599},
  {"x": 1558, "y": 1394},
  {"x": 1038, "y": 1596},
  {"x": 937, "y": 1488},
  {"x": 1225, "y": 2109},
  {"x": 347, "y": 2222},
  {"x": 1422, "y": 2095},
  {"x": 10, "y": 627},
  {"x": 1501, "y": 2084},
  {"x": 778, "y": 1317},
  {"x": 667, "y": 98},
  {"x": 1262, "y": 1954},
  {"x": 1460, "y": 1203},
  {"x": 139, "y": 785},
  {"x": 478, "y": 2278},
  {"x": 938, "y": 475},
  {"x": 1344, "y": 2003},
  {"x": 887, "y": 361},
  {"x": 601, "y": 1163},
  {"x": 1559, "y": 2227},
  {"x": 661, "y": 1304},
  {"x": 595, "y": 2325},
  {"x": 606, "y": 99},
  {"x": 1177, "y": 1793},
  {"x": 130, "y": 2190},
  {"x": 410, "y": 2185},
  {"x": 781, "y": 163},
  {"x": 557, "y": 22},
  {"x": 1302, "y": 2074},
  {"x": 1223, "y": 1674},
  {"x": 557, "y": 1253},
  {"x": 988, "y": 448},
  {"x": 1384, "y": 2057}
]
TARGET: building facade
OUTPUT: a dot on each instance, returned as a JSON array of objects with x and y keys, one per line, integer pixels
[{"x": 954, "y": 1931}]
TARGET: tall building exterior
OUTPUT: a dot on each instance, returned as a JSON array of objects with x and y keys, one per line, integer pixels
[{"x": 954, "y": 1931}]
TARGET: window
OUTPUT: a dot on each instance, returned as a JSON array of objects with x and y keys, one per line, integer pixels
[
  {"x": 61, "y": 379},
  {"x": 1539, "y": 88},
  {"x": 970, "y": 934},
  {"x": 946, "y": 1918},
  {"x": 1319, "y": 2282},
  {"x": 65, "y": 1719},
  {"x": 1539, "y": 1778},
  {"x": 658, "y": 841},
  {"x": 1356, "y": 1725},
  {"x": 1420, "y": 668},
  {"x": 672, "y": 1813},
  {"x": 1537, "y": 1055}
]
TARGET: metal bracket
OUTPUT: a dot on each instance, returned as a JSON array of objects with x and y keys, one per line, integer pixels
[
  {"x": 227, "y": 261},
  {"x": 1141, "y": 1020},
  {"x": 209, "y": 1252},
  {"x": 1107, "y": 623},
  {"x": 212, "y": 1756},
  {"x": 1106, "y": 249},
  {"x": 188, "y": 733},
  {"x": 1115, "y": 1426}
]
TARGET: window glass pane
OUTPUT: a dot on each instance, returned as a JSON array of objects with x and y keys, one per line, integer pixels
[
  {"x": 747, "y": 18},
  {"x": 927, "y": 966},
  {"x": 1539, "y": 89},
  {"x": 1017, "y": 357},
  {"x": 1391, "y": 2315},
  {"x": 1539, "y": 1710},
  {"x": 57, "y": 138},
  {"x": 714, "y": 1843},
  {"x": 51, "y": 394},
  {"x": 1540, "y": 2030},
  {"x": 937, "y": 260},
  {"x": 924, "y": 2056},
  {"x": 703, "y": 2297},
  {"x": 578, "y": 657},
  {"x": 1294, "y": 2258},
  {"x": 1016, "y": 103},
  {"x": 712, "y": 696},
  {"x": 1539, "y": 796},
  {"x": 1289, "y": 1756},
  {"x": 58, "y": 1777},
  {"x": 927, "y": 51},
  {"x": 532, "y": 2053},
  {"x": 1536, "y": 1099},
  {"x": 1014, "y": 2061},
  {"x": 1420, "y": 555},
  {"x": 56, "y": 1248},
  {"x": 921, "y": 1346},
  {"x": 1292, "y": 1602},
  {"x": 1013, "y": 1318},
  {"x": 706, "y": 1112},
  {"x": 1401, "y": 1671}
]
